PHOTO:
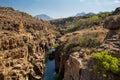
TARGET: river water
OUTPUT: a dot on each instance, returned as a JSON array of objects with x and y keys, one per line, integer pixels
[{"x": 50, "y": 70}]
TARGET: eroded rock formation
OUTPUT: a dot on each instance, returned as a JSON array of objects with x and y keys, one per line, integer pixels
[{"x": 23, "y": 43}]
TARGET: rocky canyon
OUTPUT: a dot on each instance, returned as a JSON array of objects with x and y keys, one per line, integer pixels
[
  {"x": 24, "y": 41},
  {"x": 82, "y": 48}
]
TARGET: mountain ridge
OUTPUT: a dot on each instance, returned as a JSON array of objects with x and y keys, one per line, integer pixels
[
  {"x": 43, "y": 17},
  {"x": 84, "y": 14}
]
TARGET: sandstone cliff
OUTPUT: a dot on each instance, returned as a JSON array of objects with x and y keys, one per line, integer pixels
[{"x": 23, "y": 43}]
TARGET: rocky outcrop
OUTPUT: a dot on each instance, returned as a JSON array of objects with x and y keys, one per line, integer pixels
[
  {"x": 23, "y": 43},
  {"x": 112, "y": 40},
  {"x": 74, "y": 54},
  {"x": 73, "y": 62},
  {"x": 112, "y": 23},
  {"x": 117, "y": 11},
  {"x": 75, "y": 65}
]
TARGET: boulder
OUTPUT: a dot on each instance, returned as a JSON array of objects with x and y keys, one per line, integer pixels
[{"x": 112, "y": 23}]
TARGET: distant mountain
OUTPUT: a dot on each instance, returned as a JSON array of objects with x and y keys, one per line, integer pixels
[
  {"x": 80, "y": 14},
  {"x": 90, "y": 13},
  {"x": 43, "y": 16},
  {"x": 85, "y": 14}
]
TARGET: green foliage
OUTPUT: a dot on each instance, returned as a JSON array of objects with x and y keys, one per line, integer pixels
[
  {"x": 71, "y": 29},
  {"x": 104, "y": 15},
  {"x": 56, "y": 45},
  {"x": 78, "y": 25},
  {"x": 83, "y": 42},
  {"x": 92, "y": 19},
  {"x": 82, "y": 23},
  {"x": 107, "y": 62},
  {"x": 104, "y": 75}
]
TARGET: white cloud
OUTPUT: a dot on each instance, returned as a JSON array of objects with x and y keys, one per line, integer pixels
[{"x": 116, "y": 1}]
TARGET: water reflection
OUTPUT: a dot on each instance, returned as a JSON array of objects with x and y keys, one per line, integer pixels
[{"x": 50, "y": 70}]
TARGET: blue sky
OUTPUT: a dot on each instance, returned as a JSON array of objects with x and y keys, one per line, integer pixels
[{"x": 61, "y": 8}]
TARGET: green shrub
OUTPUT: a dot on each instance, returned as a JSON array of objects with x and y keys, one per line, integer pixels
[
  {"x": 92, "y": 19},
  {"x": 72, "y": 29},
  {"x": 76, "y": 26},
  {"x": 56, "y": 45},
  {"x": 84, "y": 42},
  {"x": 76, "y": 41},
  {"x": 82, "y": 23},
  {"x": 106, "y": 62},
  {"x": 104, "y": 15}
]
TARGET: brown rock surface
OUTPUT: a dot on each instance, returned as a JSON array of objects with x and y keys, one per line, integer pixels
[
  {"x": 112, "y": 23},
  {"x": 72, "y": 58},
  {"x": 73, "y": 62},
  {"x": 23, "y": 42}
]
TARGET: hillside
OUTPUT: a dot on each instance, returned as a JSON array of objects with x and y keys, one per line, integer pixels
[
  {"x": 91, "y": 53},
  {"x": 23, "y": 43},
  {"x": 71, "y": 24}
]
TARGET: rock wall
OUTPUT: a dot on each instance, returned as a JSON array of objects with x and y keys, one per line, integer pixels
[
  {"x": 73, "y": 56},
  {"x": 23, "y": 43}
]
